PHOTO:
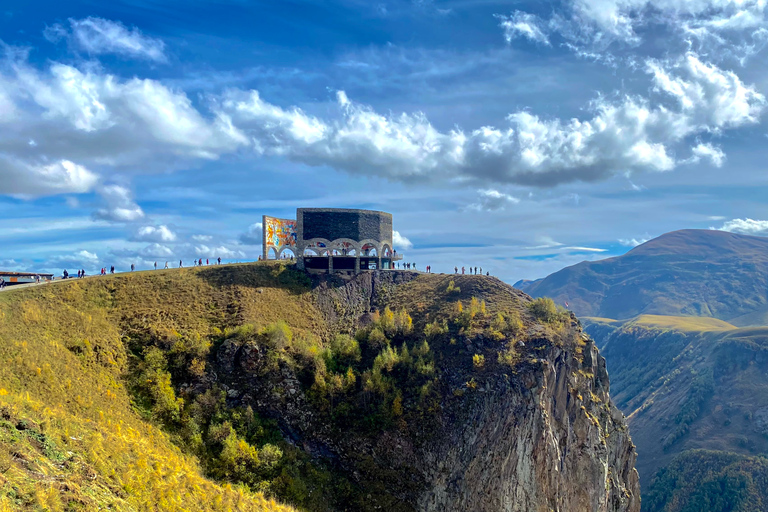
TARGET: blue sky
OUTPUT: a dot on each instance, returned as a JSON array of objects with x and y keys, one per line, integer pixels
[{"x": 517, "y": 136}]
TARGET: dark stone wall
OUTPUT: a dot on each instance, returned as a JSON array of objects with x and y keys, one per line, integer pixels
[{"x": 356, "y": 225}]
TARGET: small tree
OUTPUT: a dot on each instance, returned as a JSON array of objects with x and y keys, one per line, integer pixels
[{"x": 544, "y": 309}]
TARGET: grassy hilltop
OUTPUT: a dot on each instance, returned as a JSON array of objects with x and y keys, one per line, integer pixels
[
  {"x": 122, "y": 392},
  {"x": 71, "y": 437}
]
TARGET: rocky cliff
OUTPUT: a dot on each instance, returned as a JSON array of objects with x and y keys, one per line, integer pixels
[
  {"x": 539, "y": 434},
  {"x": 391, "y": 391}
]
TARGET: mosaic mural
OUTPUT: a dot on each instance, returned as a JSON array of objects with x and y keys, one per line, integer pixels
[{"x": 278, "y": 233}]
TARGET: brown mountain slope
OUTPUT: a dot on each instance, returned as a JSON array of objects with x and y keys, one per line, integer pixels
[{"x": 687, "y": 273}]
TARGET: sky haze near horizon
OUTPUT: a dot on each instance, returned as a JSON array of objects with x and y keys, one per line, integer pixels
[{"x": 516, "y": 136}]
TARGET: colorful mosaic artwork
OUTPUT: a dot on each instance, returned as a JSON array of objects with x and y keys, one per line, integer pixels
[{"x": 279, "y": 233}]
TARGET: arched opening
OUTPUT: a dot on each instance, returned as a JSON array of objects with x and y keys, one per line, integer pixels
[
  {"x": 272, "y": 253},
  {"x": 370, "y": 250},
  {"x": 311, "y": 251},
  {"x": 287, "y": 254}
]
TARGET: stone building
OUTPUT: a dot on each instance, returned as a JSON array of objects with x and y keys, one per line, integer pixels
[{"x": 333, "y": 239}]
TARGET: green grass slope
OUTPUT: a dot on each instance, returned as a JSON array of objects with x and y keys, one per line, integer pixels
[{"x": 703, "y": 273}]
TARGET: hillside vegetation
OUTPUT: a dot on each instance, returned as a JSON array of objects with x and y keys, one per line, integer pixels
[
  {"x": 701, "y": 273},
  {"x": 209, "y": 389},
  {"x": 69, "y": 436},
  {"x": 690, "y": 384}
]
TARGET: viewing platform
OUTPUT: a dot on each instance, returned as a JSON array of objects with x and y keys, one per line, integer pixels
[{"x": 333, "y": 240}]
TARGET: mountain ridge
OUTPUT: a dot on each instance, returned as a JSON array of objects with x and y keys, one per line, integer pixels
[{"x": 682, "y": 273}]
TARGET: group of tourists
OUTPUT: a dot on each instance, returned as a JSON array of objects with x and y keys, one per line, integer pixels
[
  {"x": 103, "y": 271},
  {"x": 65, "y": 274},
  {"x": 472, "y": 270},
  {"x": 406, "y": 266}
]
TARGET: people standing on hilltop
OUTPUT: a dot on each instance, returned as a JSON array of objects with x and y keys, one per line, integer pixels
[
  {"x": 200, "y": 262},
  {"x": 155, "y": 265},
  {"x": 462, "y": 270},
  {"x": 82, "y": 273},
  {"x": 166, "y": 264},
  {"x": 181, "y": 264},
  {"x": 133, "y": 267},
  {"x": 455, "y": 270},
  {"x": 65, "y": 274},
  {"x": 219, "y": 260},
  {"x": 206, "y": 262}
]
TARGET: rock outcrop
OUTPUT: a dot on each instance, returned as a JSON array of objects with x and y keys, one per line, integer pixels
[{"x": 540, "y": 435}]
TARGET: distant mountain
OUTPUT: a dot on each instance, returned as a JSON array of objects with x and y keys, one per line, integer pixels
[
  {"x": 687, "y": 273},
  {"x": 524, "y": 284},
  {"x": 688, "y": 384}
]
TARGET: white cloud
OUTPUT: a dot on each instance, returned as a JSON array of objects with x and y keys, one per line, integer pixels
[
  {"x": 401, "y": 242},
  {"x": 746, "y": 226},
  {"x": 632, "y": 242},
  {"x": 544, "y": 242},
  {"x": 87, "y": 123},
  {"x": 522, "y": 24},
  {"x": 156, "y": 251},
  {"x": 91, "y": 123},
  {"x": 202, "y": 238},
  {"x": 154, "y": 234},
  {"x": 619, "y": 19},
  {"x": 203, "y": 251},
  {"x": 712, "y": 153},
  {"x": 120, "y": 205},
  {"x": 38, "y": 179},
  {"x": 584, "y": 249},
  {"x": 254, "y": 235},
  {"x": 493, "y": 200},
  {"x": 98, "y": 36},
  {"x": 80, "y": 259},
  {"x": 627, "y": 136}
]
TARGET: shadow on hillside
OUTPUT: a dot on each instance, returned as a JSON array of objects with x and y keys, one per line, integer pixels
[{"x": 258, "y": 275}]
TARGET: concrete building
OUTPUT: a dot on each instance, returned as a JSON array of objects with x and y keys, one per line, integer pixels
[
  {"x": 12, "y": 278},
  {"x": 333, "y": 240}
]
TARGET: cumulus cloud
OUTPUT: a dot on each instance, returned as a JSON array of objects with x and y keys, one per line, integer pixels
[
  {"x": 712, "y": 153},
  {"x": 62, "y": 126},
  {"x": 632, "y": 242},
  {"x": 493, "y": 200},
  {"x": 86, "y": 123},
  {"x": 522, "y": 24},
  {"x": 620, "y": 19},
  {"x": 97, "y": 36},
  {"x": 154, "y": 234},
  {"x": 156, "y": 251},
  {"x": 746, "y": 226},
  {"x": 401, "y": 242},
  {"x": 202, "y": 238},
  {"x": 120, "y": 205},
  {"x": 31, "y": 178},
  {"x": 254, "y": 235},
  {"x": 79, "y": 259},
  {"x": 630, "y": 135},
  {"x": 203, "y": 251}
]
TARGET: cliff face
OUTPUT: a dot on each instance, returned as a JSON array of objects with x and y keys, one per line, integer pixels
[
  {"x": 538, "y": 446},
  {"x": 539, "y": 435}
]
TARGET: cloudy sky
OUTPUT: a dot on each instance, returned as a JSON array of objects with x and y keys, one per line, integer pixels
[{"x": 520, "y": 136}]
